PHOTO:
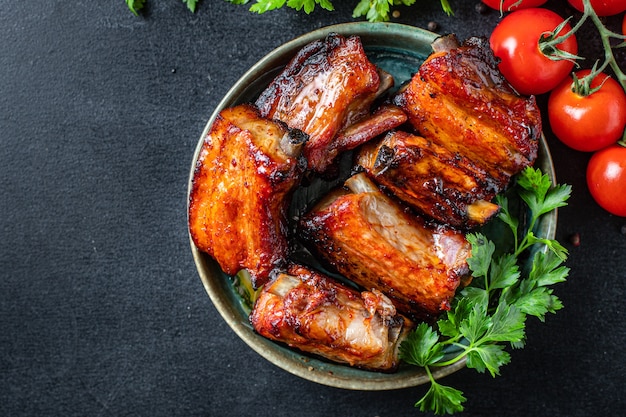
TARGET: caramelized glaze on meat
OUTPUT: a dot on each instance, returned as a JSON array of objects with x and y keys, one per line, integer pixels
[
  {"x": 384, "y": 119},
  {"x": 460, "y": 100},
  {"x": 373, "y": 241},
  {"x": 443, "y": 185},
  {"x": 245, "y": 174},
  {"x": 329, "y": 85},
  {"x": 316, "y": 314}
]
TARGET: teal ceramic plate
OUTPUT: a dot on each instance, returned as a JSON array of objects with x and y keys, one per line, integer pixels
[{"x": 398, "y": 49}]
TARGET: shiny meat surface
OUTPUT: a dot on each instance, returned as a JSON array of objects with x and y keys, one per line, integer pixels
[
  {"x": 459, "y": 100},
  {"x": 442, "y": 185},
  {"x": 245, "y": 174},
  {"x": 328, "y": 86},
  {"x": 384, "y": 119},
  {"x": 316, "y": 314},
  {"x": 370, "y": 239}
]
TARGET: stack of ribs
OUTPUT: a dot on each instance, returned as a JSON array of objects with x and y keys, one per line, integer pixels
[
  {"x": 390, "y": 240},
  {"x": 471, "y": 132}
]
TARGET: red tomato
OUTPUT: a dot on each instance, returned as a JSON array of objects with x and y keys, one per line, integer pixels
[
  {"x": 606, "y": 179},
  {"x": 515, "y": 40},
  {"x": 510, "y": 5},
  {"x": 588, "y": 123},
  {"x": 601, "y": 7}
]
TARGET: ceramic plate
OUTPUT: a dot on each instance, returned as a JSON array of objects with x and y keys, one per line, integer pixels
[{"x": 398, "y": 49}]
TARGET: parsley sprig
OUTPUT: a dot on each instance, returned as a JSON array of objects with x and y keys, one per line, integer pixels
[
  {"x": 372, "y": 10},
  {"x": 508, "y": 286}
]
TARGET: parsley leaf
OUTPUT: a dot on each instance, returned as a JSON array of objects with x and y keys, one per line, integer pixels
[
  {"x": 372, "y": 10},
  {"x": 422, "y": 348},
  {"x": 509, "y": 284},
  {"x": 441, "y": 399},
  {"x": 490, "y": 357},
  {"x": 262, "y": 6},
  {"x": 378, "y": 10},
  {"x": 191, "y": 4},
  {"x": 504, "y": 272},
  {"x": 482, "y": 252},
  {"x": 135, "y": 6},
  {"x": 449, "y": 326}
]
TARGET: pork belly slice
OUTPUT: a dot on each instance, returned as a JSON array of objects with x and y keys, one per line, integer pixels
[
  {"x": 442, "y": 185},
  {"x": 246, "y": 172},
  {"x": 373, "y": 241},
  {"x": 329, "y": 85},
  {"x": 317, "y": 314},
  {"x": 460, "y": 100}
]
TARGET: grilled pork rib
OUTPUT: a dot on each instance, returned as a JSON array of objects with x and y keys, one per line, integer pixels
[
  {"x": 245, "y": 174},
  {"x": 460, "y": 100},
  {"x": 316, "y": 314},
  {"x": 444, "y": 186},
  {"x": 370, "y": 239},
  {"x": 328, "y": 86}
]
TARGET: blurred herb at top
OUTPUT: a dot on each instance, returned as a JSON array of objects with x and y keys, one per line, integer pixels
[
  {"x": 136, "y": 5},
  {"x": 372, "y": 10}
]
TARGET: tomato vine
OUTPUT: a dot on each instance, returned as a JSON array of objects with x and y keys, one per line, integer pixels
[{"x": 606, "y": 36}]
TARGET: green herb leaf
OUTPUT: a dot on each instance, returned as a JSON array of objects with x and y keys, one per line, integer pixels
[
  {"x": 475, "y": 325},
  {"x": 488, "y": 357},
  {"x": 262, "y": 6},
  {"x": 538, "y": 302},
  {"x": 135, "y": 5},
  {"x": 309, "y": 5},
  {"x": 482, "y": 251},
  {"x": 508, "y": 323},
  {"x": 441, "y": 400},
  {"x": 191, "y": 4},
  {"x": 449, "y": 326},
  {"x": 504, "y": 272},
  {"x": 421, "y": 347},
  {"x": 538, "y": 194},
  {"x": 475, "y": 295},
  {"x": 372, "y": 10},
  {"x": 547, "y": 269},
  {"x": 555, "y": 247}
]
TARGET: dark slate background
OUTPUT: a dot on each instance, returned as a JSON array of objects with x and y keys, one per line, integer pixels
[{"x": 102, "y": 312}]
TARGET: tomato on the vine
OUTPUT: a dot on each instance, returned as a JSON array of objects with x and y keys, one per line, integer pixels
[
  {"x": 588, "y": 122},
  {"x": 606, "y": 179},
  {"x": 601, "y": 7},
  {"x": 510, "y": 5},
  {"x": 516, "y": 41}
]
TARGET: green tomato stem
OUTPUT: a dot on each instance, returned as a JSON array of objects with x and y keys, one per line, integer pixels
[
  {"x": 548, "y": 45},
  {"x": 605, "y": 36}
]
